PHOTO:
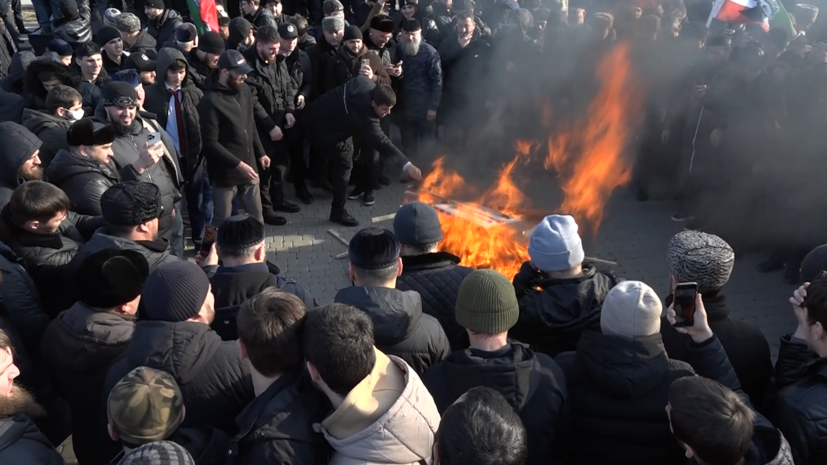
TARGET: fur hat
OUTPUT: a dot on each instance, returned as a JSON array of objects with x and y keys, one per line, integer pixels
[
  {"x": 382, "y": 23},
  {"x": 89, "y": 131}
]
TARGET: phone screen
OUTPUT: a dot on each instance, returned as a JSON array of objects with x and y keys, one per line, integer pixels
[{"x": 684, "y": 303}]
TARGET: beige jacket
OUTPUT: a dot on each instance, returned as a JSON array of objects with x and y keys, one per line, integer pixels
[{"x": 389, "y": 418}]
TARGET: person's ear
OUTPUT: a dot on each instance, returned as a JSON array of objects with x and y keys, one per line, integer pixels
[
  {"x": 351, "y": 273},
  {"x": 242, "y": 349},
  {"x": 183, "y": 413},
  {"x": 32, "y": 225},
  {"x": 113, "y": 435},
  {"x": 399, "y": 271},
  {"x": 260, "y": 254},
  {"x": 818, "y": 331}
]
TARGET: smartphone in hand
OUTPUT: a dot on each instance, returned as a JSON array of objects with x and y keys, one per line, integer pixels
[{"x": 684, "y": 303}]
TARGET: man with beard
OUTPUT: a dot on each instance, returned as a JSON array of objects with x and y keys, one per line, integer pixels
[
  {"x": 89, "y": 66},
  {"x": 380, "y": 41},
  {"x": 63, "y": 108},
  {"x": 410, "y": 10},
  {"x": 84, "y": 170},
  {"x": 135, "y": 39},
  {"x": 112, "y": 47},
  {"x": 162, "y": 21},
  {"x": 82, "y": 343},
  {"x": 322, "y": 53},
  {"x": 137, "y": 159},
  {"x": 20, "y": 161},
  {"x": 145, "y": 66},
  {"x": 203, "y": 60},
  {"x": 20, "y": 440},
  {"x": 274, "y": 114},
  {"x": 420, "y": 89},
  {"x": 231, "y": 147}
]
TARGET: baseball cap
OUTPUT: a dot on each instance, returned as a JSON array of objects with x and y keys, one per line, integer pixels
[{"x": 233, "y": 60}]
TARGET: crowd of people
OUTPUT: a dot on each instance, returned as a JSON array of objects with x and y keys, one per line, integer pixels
[{"x": 118, "y": 121}]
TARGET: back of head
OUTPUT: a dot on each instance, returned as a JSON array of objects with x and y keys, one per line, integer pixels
[
  {"x": 110, "y": 278},
  {"x": 270, "y": 326},
  {"x": 129, "y": 204},
  {"x": 487, "y": 303},
  {"x": 699, "y": 257},
  {"x": 239, "y": 236},
  {"x": 374, "y": 256},
  {"x": 416, "y": 224},
  {"x": 814, "y": 263},
  {"x": 128, "y": 23},
  {"x": 145, "y": 405},
  {"x": 338, "y": 341},
  {"x": 555, "y": 245},
  {"x": 481, "y": 428},
  {"x": 816, "y": 300},
  {"x": 61, "y": 96},
  {"x": 158, "y": 453},
  {"x": 37, "y": 201},
  {"x": 175, "y": 292},
  {"x": 631, "y": 309},
  {"x": 710, "y": 419}
]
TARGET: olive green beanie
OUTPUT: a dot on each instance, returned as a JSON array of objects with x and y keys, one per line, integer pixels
[{"x": 486, "y": 303}]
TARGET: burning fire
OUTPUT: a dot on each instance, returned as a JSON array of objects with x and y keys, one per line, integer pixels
[{"x": 587, "y": 156}]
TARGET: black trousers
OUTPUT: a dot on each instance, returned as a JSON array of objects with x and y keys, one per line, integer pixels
[
  {"x": 295, "y": 147},
  {"x": 272, "y": 179},
  {"x": 338, "y": 156}
]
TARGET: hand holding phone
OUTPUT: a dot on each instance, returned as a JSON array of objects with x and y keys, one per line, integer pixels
[
  {"x": 684, "y": 303},
  {"x": 699, "y": 329}
]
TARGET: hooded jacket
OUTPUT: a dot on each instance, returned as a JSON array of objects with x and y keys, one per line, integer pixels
[
  {"x": 555, "y": 312},
  {"x": 277, "y": 427},
  {"x": 163, "y": 29},
  {"x": 436, "y": 277},
  {"x": 83, "y": 179},
  {"x": 76, "y": 29},
  {"x": 79, "y": 347},
  {"x": 35, "y": 93},
  {"x": 532, "y": 383},
  {"x": 14, "y": 81},
  {"x": 399, "y": 327},
  {"x": 18, "y": 146},
  {"x": 402, "y": 433},
  {"x": 344, "y": 66},
  {"x": 21, "y": 442},
  {"x": 11, "y": 107},
  {"x": 165, "y": 173},
  {"x": 618, "y": 390},
  {"x": 21, "y": 300},
  {"x": 157, "y": 101},
  {"x": 50, "y": 129}
]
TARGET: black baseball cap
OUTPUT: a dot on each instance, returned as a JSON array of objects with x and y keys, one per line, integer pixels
[{"x": 233, "y": 60}]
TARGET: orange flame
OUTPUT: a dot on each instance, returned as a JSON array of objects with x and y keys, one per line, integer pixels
[{"x": 588, "y": 157}]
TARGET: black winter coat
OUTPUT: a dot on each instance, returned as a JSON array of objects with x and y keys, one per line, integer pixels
[
  {"x": 11, "y": 106},
  {"x": 83, "y": 179},
  {"x": 18, "y": 147},
  {"x": 274, "y": 89},
  {"x": 155, "y": 252},
  {"x": 229, "y": 133},
  {"x": 553, "y": 317},
  {"x": 618, "y": 391},
  {"x": 157, "y": 101},
  {"x": 436, "y": 277},
  {"x": 19, "y": 296},
  {"x": 91, "y": 91},
  {"x": 301, "y": 71},
  {"x": 461, "y": 68},
  {"x": 35, "y": 93},
  {"x": 79, "y": 347},
  {"x": 143, "y": 43},
  {"x": 277, "y": 427},
  {"x": 163, "y": 29},
  {"x": 399, "y": 327},
  {"x": 51, "y": 130},
  {"x": 532, "y": 383},
  {"x": 198, "y": 72},
  {"x": 21, "y": 442},
  {"x": 745, "y": 344},
  {"x": 800, "y": 407},
  {"x": 320, "y": 55},
  {"x": 77, "y": 29}
]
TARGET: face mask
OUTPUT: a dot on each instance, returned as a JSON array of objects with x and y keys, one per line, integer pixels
[{"x": 74, "y": 115}]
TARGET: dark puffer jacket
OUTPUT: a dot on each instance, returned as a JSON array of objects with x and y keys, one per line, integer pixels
[
  {"x": 420, "y": 87},
  {"x": 21, "y": 300},
  {"x": 321, "y": 55},
  {"x": 21, "y": 442},
  {"x": 83, "y": 179},
  {"x": 532, "y": 383},
  {"x": 19, "y": 144},
  {"x": 143, "y": 43},
  {"x": 79, "y": 347},
  {"x": 163, "y": 29},
  {"x": 553, "y": 317},
  {"x": 274, "y": 88},
  {"x": 157, "y": 102},
  {"x": 35, "y": 93},
  {"x": 618, "y": 390},
  {"x": 51, "y": 130},
  {"x": 155, "y": 252},
  {"x": 436, "y": 277},
  {"x": 399, "y": 327}
]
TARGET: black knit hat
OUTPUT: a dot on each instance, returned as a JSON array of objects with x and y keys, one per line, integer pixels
[
  {"x": 186, "y": 32},
  {"x": 159, "y": 4},
  {"x": 175, "y": 291},
  {"x": 88, "y": 131},
  {"x": 352, "y": 32},
  {"x": 417, "y": 223},
  {"x": 814, "y": 263},
  {"x": 107, "y": 34},
  {"x": 411, "y": 25},
  {"x": 382, "y": 23},
  {"x": 119, "y": 94},
  {"x": 239, "y": 29},
  {"x": 374, "y": 249},
  {"x": 211, "y": 42},
  {"x": 131, "y": 203},
  {"x": 61, "y": 47},
  {"x": 111, "y": 277},
  {"x": 240, "y": 232}
]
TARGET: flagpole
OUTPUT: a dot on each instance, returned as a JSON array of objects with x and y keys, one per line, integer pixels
[{"x": 716, "y": 7}]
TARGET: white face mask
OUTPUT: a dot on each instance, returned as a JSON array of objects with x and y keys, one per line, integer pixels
[{"x": 74, "y": 115}]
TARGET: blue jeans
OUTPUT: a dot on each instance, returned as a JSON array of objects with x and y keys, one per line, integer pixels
[{"x": 199, "y": 206}]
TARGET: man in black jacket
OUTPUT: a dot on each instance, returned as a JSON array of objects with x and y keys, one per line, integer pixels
[
  {"x": 257, "y": 15},
  {"x": 84, "y": 341},
  {"x": 20, "y": 161},
  {"x": 112, "y": 48},
  {"x": 618, "y": 384},
  {"x": 560, "y": 297},
  {"x": 203, "y": 60},
  {"x": 435, "y": 275},
  {"x": 174, "y": 335},
  {"x": 134, "y": 39},
  {"x": 708, "y": 260},
  {"x": 20, "y": 440},
  {"x": 244, "y": 272},
  {"x": 231, "y": 144},
  {"x": 63, "y": 107},
  {"x": 276, "y": 93},
  {"x": 800, "y": 373},
  {"x": 89, "y": 66},
  {"x": 85, "y": 170},
  {"x": 399, "y": 327},
  {"x": 162, "y": 21},
  {"x": 354, "y": 108},
  {"x": 277, "y": 427},
  {"x": 532, "y": 383}
]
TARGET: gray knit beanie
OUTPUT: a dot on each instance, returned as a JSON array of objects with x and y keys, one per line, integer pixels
[
  {"x": 555, "y": 245},
  {"x": 631, "y": 309},
  {"x": 175, "y": 291},
  {"x": 699, "y": 257},
  {"x": 486, "y": 303}
]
